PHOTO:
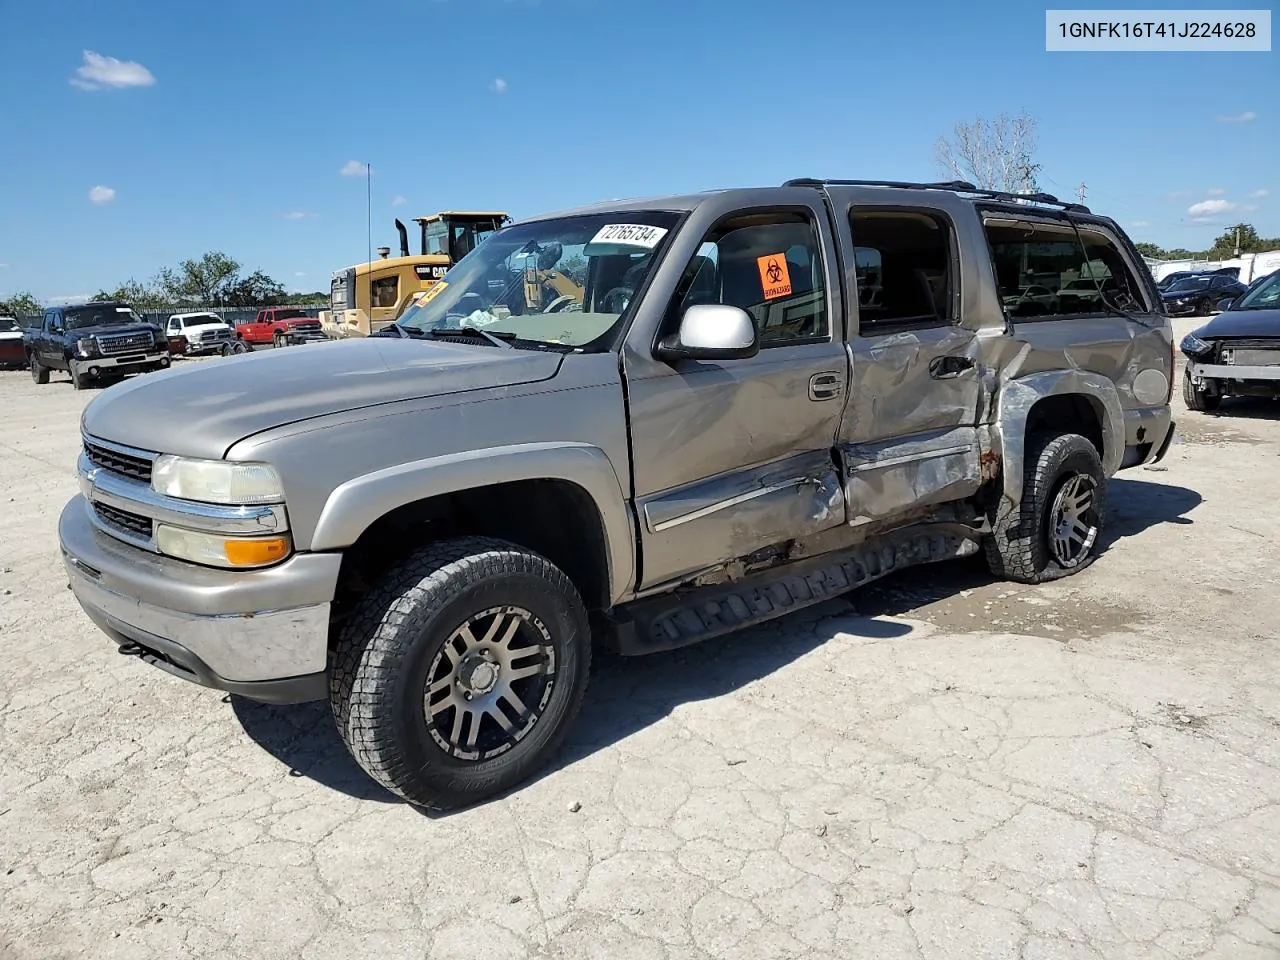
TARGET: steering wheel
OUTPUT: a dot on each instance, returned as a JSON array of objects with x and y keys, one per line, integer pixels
[
  {"x": 560, "y": 303},
  {"x": 621, "y": 296}
]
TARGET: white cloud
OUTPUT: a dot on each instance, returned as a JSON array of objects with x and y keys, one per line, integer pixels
[
  {"x": 1249, "y": 208},
  {"x": 1260, "y": 193},
  {"x": 353, "y": 168},
  {"x": 101, "y": 195},
  {"x": 99, "y": 71},
  {"x": 498, "y": 86},
  {"x": 1139, "y": 223},
  {"x": 1215, "y": 192},
  {"x": 1245, "y": 117},
  {"x": 4, "y": 266},
  {"x": 299, "y": 215},
  {"x": 1209, "y": 208},
  {"x": 70, "y": 297},
  {"x": 299, "y": 274},
  {"x": 399, "y": 201}
]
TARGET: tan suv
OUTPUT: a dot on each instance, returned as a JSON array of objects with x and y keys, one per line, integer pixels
[{"x": 755, "y": 400}]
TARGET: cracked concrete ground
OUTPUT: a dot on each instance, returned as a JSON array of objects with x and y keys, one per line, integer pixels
[{"x": 944, "y": 766}]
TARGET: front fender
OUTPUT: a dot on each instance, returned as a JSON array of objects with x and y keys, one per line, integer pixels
[
  {"x": 1013, "y": 408},
  {"x": 355, "y": 505}
]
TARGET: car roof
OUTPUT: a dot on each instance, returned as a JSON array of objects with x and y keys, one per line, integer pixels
[
  {"x": 79, "y": 304},
  {"x": 196, "y": 313}
]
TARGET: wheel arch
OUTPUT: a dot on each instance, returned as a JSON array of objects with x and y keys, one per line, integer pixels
[
  {"x": 1083, "y": 402},
  {"x": 521, "y": 491}
]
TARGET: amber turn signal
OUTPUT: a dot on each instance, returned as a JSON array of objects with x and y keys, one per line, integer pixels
[{"x": 256, "y": 552}]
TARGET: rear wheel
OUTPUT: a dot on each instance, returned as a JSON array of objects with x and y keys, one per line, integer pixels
[
  {"x": 459, "y": 675},
  {"x": 277, "y": 339},
  {"x": 39, "y": 372},
  {"x": 1196, "y": 398},
  {"x": 1057, "y": 527},
  {"x": 239, "y": 347}
]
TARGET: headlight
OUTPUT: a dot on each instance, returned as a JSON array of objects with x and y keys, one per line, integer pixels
[
  {"x": 216, "y": 481},
  {"x": 217, "y": 550},
  {"x": 1193, "y": 346},
  {"x": 86, "y": 346}
]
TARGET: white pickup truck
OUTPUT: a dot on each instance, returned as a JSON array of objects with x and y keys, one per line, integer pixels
[{"x": 191, "y": 334}]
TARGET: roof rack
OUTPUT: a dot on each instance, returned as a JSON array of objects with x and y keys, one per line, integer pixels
[{"x": 953, "y": 186}]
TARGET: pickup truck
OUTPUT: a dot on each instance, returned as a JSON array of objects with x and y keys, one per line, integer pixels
[
  {"x": 433, "y": 527},
  {"x": 194, "y": 334},
  {"x": 94, "y": 342},
  {"x": 12, "y": 353},
  {"x": 281, "y": 327}
]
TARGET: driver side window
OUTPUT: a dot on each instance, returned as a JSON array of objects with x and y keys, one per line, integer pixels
[{"x": 769, "y": 265}]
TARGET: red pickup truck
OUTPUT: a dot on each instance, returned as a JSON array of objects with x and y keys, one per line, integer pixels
[{"x": 280, "y": 327}]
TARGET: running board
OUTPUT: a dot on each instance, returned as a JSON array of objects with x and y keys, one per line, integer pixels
[{"x": 691, "y": 616}]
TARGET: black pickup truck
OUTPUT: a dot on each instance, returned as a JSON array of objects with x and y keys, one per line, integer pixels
[{"x": 95, "y": 341}]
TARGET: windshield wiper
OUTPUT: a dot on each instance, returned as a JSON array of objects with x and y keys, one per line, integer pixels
[{"x": 499, "y": 339}]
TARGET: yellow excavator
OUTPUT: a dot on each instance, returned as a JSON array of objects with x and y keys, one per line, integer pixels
[{"x": 368, "y": 296}]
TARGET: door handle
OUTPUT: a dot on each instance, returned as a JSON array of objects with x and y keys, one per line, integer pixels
[
  {"x": 824, "y": 386},
  {"x": 942, "y": 368}
]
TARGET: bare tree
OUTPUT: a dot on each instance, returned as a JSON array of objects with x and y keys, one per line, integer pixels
[{"x": 993, "y": 154}]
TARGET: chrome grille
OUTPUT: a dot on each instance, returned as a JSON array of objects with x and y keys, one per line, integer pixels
[
  {"x": 211, "y": 336},
  {"x": 129, "y": 343},
  {"x": 127, "y": 465},
  {"x": 131, "y": 523}
]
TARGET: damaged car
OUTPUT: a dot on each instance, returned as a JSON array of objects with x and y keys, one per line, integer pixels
[
  {"x": 709, "y": 427},
  {"x": 1237, "y": 353}
]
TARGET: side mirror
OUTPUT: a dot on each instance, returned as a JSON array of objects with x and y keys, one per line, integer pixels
[
  {"x": 711, "y": 332},
  {"x": 1226, "y": 303}
]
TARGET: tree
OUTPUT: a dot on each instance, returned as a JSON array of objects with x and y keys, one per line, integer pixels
[
  {"x": 1224, "y": 248},
  {"x": 575, "y": 268},
  {"x": 255, "y": 290},
  {"x": 202, "y": 281},
  {"x": 141, "y": 296},
  {"x": 1151, "y": 251},
  {"x": 993, "y": 154},
  {"x": 21, "y": 304}
]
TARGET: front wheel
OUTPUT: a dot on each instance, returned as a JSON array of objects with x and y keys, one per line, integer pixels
[
  {"x": 1196, "y": 398},
  {"x": 1057, "y": 527},
  {"x": 459, "y": 675},
  {"x": 277, "y": 340},
  {"x": 39, "y": 372}
]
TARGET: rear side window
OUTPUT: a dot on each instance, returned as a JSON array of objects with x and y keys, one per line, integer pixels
[
  {"x": 904, "y": 269},
  {"x": 1048, "y": 271}
]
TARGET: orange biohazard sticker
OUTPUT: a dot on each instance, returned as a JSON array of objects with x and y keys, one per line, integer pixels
[{"x": 774, "y": 276}]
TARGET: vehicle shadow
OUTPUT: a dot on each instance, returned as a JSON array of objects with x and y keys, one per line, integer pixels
[
  {"x": 1135, "y": 505},
  {"x": 625, "y": 695},
  {"x": 1247, "y": 408},
  {"x": 628, "y": 694}
]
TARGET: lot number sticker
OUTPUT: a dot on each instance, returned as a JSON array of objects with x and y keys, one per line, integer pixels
[
  {"x": 630, "y": 234},
  {"x": 432, "y": 292},
  {"x": 774, "y": 276}
]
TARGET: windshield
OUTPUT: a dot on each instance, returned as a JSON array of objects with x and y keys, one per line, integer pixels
[
  {"x": 290, "y": 314},
  {"x": 80, "y": 317},
  {"x": 1191, "y": 283},
  {"x": 8, "y": 324},
  {"x": 1265, "y": 296},
  {"x": 566, "y": 281}
]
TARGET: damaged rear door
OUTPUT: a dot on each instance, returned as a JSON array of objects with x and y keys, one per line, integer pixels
[{"x": 909, "y": 435}]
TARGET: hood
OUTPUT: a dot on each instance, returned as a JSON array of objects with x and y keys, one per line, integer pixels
[
  {"x": 1186, "y": 294},
  {"x": 201, "y": 410},
  {"x": 10, "y": 334},
  {"x": 1240, "y": 324}
]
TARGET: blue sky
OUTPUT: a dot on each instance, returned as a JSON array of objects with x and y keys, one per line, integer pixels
[{"x": 226, "y": 125}]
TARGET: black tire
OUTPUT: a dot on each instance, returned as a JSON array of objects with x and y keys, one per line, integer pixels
[
  {"x": 277, "y": 340},
  {"x": 77, "y": 381},
  {"x": 39, "y": 372},
  {"x": 1197, "y": 399},
  {"x": 1019, "y": 545},
  {"x": 388, "y": 662},
  {"x": 240, "y": 347}
]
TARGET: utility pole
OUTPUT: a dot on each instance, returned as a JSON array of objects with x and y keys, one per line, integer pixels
[
  {"x": 1081, "y": 192},
  {"x": 1237, "y": 240}
]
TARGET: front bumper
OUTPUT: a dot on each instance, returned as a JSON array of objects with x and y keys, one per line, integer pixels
[
  {"x": 1230, "y": 371},
  {"x": 262, "y": 634},
  {"x": 130, "y": 361}
]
